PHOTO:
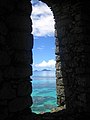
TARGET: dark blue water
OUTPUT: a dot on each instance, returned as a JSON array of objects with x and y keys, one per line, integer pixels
[{"x": 44, "y": 91}]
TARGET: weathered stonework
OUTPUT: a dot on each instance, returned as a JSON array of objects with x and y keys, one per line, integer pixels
[
  {"x": 72, "y": 24},
  {"x": 16, "y": 43}
]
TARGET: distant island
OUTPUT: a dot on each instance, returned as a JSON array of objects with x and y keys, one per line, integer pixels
[
  {"x": 42, "y": 70},
  {"x": 35, "y": 70},
  {"x": 46, "y": 70}
]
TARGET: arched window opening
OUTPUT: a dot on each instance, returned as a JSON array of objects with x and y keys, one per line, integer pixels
[{"x": 44, "y": 83}]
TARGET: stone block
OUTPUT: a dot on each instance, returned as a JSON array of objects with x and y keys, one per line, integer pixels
[
  {"x": 78, "y": 29},
  {"x": 3, "y": 28},
  {"x": 23, "y": 57},
  {"x": 60, "y": 90},
  {"x": 87, "y": 49},
  {"x": 7, "y": 6},
  {"x": 82, "y": 97},
  {"x": 59, "y": 82},
  {"x": 69, "y": 92},
  {"x": 67, "y": 40},
  {"x": 19, "y": 22},
  {"x": 2, "y": 40},
  {"x": 59, "y": 74},
  {"x": 57, "y": 51},
  {"x": 81, "y": 81},
  {"x": 18, "y": 72},
  {"x": 57, "y": 58},
  {"x": 3, "y": 112},
  {"x": 4, "y": 58},
  {"x": 57, "y": 42},
  {"x": 7, "y": 92},
  {"x": 21, "y": 40},
  {"x": 64, "y": 49},
  {"x": 63, "y": 31},
  {"x": 77, "y": 17},
  {"x": 79, "y": 48},
  {"x": 3, "y": 102},
  {"x": 19, "y": 104},
  {"x": 61, "y": 100},
  {"x": 80, "y": 70},
  {"x": 24, "y": 88},
  {"x": 81, "y": 103},
  {"x": 24, "y": 6},
  {"x": 58, "y": 65},
  {"x": 65, "y": 22}
]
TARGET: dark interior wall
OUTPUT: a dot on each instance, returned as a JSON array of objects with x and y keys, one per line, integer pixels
[
  {"x": 70, "y": 35},
  {"x": 16, "y": 42},
  {"x": 72, "y": 47}
]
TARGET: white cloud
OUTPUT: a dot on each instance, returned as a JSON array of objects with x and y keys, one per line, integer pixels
[
  {"x": 42, "y": 18},
  {"x": 49, "y": 64}
]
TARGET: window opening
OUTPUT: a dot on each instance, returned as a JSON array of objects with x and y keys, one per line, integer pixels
[{"x": 43, "y": 79}]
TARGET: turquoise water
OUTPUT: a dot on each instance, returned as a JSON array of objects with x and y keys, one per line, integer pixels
[{"x": 44, "y": 91}]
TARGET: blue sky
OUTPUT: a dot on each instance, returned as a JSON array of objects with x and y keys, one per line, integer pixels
[{"x": 44, "y": 41}]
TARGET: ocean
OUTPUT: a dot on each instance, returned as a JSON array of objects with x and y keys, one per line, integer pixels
[{"x": 44, "y": 91}]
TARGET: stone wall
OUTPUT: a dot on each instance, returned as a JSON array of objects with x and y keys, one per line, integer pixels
[
  {"x": 72, "y": 59},
  {"x": 59, "y": 77},
  {"x": 72, "y": 71},
  {"x": 16, "y": 42},
  {"x": 69, "y": 34}
]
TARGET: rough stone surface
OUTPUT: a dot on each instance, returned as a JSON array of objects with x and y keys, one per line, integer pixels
[
  {"x": 16, "y": 43},
  {"x": 25, "y": 40},
  {"x": 24, "y": 88},
  {"x": 19, "y": 104},
  {"x": 72, "y": 24},
  {"x": 71, "y": 49},
  {"x": 18, "y": 72},
  {"x": 7, "y": 92}
]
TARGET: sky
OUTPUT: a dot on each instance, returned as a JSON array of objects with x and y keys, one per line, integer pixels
[{"x": 44, "y": 40}]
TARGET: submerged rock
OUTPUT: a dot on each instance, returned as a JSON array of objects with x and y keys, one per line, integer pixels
[{"x": 58, "y": 108}]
